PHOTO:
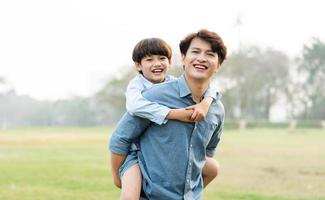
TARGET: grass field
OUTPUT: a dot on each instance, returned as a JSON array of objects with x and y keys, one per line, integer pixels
[{"x": 72, "y": 163}]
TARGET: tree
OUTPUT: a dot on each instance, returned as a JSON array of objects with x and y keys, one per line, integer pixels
[
  {"x": 110, "y": 100},
  {"x": 312, "y": 70},
  {"x": 253, "y": 79}
]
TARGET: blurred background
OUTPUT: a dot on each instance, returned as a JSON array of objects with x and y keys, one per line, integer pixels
[{"x": 65, "y": 65}]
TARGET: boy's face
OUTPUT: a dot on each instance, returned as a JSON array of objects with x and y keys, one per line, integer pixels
[
  {"x": 154, "y": 68},
  {"x": 200, "y": 61}
]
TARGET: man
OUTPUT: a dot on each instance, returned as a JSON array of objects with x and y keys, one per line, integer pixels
[{"x": 172, "y": 155}]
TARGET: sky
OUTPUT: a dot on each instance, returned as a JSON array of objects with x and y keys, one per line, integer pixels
[{"x": 58, "y": 49}]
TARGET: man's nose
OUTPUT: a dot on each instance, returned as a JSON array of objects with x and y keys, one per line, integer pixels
[{"x": 201, "y": 57}]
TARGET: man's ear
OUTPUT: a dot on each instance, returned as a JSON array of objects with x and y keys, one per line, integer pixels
[
  {"x": 217, "y": 68},
  {"x": 183, "y": 58},
  {"x": 138, "y": 66}
]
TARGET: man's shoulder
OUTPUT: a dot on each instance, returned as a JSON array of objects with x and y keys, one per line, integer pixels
[{"x": 216, "y": 112}]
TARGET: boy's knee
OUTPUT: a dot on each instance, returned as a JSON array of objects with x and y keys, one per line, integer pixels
[
  {"x": 129, "y": 197},
  {"x": 212, "y": 168},
  {"x": 215, "y": 168}
]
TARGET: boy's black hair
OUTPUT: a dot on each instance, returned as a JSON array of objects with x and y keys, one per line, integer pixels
[{"x": 151, "y": 46}]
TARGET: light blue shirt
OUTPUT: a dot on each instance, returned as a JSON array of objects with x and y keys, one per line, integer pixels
[
  {"x": 137, "y": 105},
  {"x": 172, "y": 155}
]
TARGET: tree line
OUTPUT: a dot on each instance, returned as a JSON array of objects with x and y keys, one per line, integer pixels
[{"x": 252, "y": 81}]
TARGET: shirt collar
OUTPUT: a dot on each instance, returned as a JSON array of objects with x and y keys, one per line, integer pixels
[
  {"x": 183, "y": 87},
  {"x": 145, "y": 82},
  {"x": 149, "y": 84},
  {"x": 184, "y": 90}
]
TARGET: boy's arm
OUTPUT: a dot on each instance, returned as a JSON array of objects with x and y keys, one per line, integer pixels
[
  {"x": 137, "y": 105},
  {"x": 181, "y": 114},
  {"x": 201, "y": 109}
]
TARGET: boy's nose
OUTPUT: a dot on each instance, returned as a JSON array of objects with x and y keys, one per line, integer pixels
[{"x": 157, "y": 63}]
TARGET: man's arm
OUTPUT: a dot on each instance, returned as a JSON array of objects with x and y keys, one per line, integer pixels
[
  {"x": 116, "y": 162},
  {"x": 212, "y": 145},
  {"x": 128, "y": 128}
]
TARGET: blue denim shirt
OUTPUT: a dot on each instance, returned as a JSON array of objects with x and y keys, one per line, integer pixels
[{"x": 172, "y": 155}]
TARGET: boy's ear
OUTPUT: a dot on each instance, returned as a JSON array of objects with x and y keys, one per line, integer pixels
[{"x": 138, "y": 66}]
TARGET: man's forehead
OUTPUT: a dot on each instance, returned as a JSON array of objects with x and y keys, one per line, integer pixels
[{"x": 201, "y": 44}]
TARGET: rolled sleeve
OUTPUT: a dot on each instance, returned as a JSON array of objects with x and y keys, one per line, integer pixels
[
  {"x": 128, "y": 128},
  {"x": 211, "y": 148},
  {"x": 214, "y": 141}
]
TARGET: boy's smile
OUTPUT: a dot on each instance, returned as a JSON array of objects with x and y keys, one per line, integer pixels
[{"x": 154, "y": 68}]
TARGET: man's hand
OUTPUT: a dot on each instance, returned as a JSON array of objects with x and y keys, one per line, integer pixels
[{"x": 117, "y": 181}]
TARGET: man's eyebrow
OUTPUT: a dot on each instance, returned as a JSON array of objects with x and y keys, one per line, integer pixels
[
  {"x": 198, "y": 48},
  {"x": 211, "y": 51}
]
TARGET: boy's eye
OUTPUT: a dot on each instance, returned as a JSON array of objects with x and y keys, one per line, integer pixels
[
  {"x": 148, "y": 59},
  {"x": 211, "y": 54},
  {"x": 195, "y": 51},
  {"x": 163, "y": 58}
]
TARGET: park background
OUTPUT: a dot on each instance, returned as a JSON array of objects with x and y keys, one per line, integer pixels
[{"x": 65, "y": 65}]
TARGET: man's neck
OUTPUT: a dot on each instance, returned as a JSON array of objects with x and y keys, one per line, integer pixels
[{"x": 197, "y": 87}]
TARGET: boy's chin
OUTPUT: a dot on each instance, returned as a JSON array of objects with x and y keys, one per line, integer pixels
[{"x": 158, "y": 79}]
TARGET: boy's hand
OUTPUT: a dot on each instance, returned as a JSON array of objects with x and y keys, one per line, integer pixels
[{"x": 200, "y": 110}]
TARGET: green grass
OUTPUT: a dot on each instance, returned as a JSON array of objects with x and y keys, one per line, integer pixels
[{"x": 72, "y": 163}]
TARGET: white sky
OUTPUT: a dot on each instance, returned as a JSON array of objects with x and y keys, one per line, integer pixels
[{"x": 55, "y": 49}]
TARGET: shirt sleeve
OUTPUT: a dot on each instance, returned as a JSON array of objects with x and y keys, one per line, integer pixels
[
  {"x": 128, "y": 128},
  {"x": 137, "y": 105},
  {"x": 211, "y": 148},
  {"x": 213, "y": 92}
]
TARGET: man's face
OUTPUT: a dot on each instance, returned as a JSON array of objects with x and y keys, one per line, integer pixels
[
  {"x": 154, "y": 68},
  {"x": 200, "y": 61}
]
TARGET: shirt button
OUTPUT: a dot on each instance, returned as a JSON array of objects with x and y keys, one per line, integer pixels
[
  {"x": 191, "y": 145},
  {"x": 188, "y": 180}
]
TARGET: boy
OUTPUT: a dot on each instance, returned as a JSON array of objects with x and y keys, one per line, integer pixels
[{"x": 152, "y": 58}]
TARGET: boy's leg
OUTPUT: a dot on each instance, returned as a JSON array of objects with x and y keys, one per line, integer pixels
[
  {"x": 210, "y": 170},
  {"x": 131, "y": 183}
]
